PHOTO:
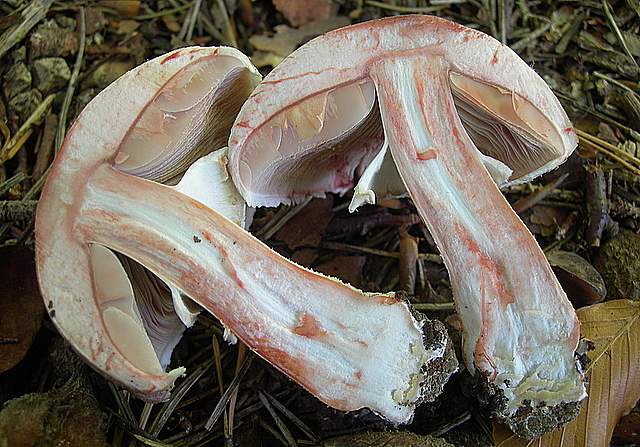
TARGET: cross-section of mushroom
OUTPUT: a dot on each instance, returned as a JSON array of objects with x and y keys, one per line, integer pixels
[
  {"x": 460, "y": 112},
  {"x": 349, "y": 348}
]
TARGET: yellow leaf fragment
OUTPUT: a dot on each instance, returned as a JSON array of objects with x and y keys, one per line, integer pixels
[{"x": 614, "y": 379}]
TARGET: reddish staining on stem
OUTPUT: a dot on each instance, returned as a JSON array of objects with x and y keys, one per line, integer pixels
[
  {"x": 308, "y": 327},
  {"x": 429, "y": 154}
]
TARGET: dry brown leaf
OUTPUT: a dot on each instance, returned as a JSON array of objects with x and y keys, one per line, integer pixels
[
  {"x": 299, "y": 12},
  {"x": 127, "y": 8},
  {"x": 347, "y": 268},
  {"x": 21, "y": 308},
  {"x": 614, "y": 379},
  {"x": 307, "y": 228},
  {"x": 272, "y": 49}
]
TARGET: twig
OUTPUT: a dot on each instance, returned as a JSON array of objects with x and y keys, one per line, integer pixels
[
  {"x": 409, "y": 9},
  {"x": 374, "y": 251},
  {"x": 13, "y": 181},
  {"x": 62, "y": 123},
  {"x": 611, "y": 147},
  {"x": 45, "y": 148},
  {"x": 231, "y": 33},
  {"x": 10, "y": 149},
  {"x": 614, "y": 27},
  {"x": 434, "y": 306},
  {"x": 531, "y": 200},
  {"x": 286, "y": 433},
  {"x": 408, "y": 261},
  {"x": 242, "y": 353},
  {"x": 522, "y": 43},
  {"x": 592, "y": 145},
  {"x": 293, "y": 418},
  {"x": 272, "y": 227},
  {"x": 164, "y": 12},
  {"x": 224, "y": 399},
  {"x": 35, "y": 12},
  {"x": 176, "y": 397},
  {"x": 192, "y": 20},
  {"x": 597, "y": 207},
  {"x": 450, "y": 425}
]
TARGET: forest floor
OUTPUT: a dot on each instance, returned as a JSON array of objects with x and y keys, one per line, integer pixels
[{"x": 57, "y": 55}]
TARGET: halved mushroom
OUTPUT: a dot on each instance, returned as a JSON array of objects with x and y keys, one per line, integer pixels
[
  {"x": 179, "y": 107},
  {"x": 460, "y": 112},
  {"x": 349, "y": 348}
]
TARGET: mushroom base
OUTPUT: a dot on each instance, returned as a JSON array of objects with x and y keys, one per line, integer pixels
[
  {"x": 439, "y": 370},
  {"x": 529, "y": 420}
]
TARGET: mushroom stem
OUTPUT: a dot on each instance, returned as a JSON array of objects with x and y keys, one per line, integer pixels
[
  {"x": 349, "y": 348},
  {"x": 521, "y": 332}
]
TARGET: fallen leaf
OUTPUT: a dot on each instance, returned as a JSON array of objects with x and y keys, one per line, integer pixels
[
  {"x": 171, "y": 23},
  {"x": 614, "y": 379},
  {"x": 347, "y": 268},
  {"x": 628, "y": 429},
  {"x": 545, "y": 220},
  {"x": 287, "y": 39},
  {"x": 126, "y": 8},
  {"x": 299, "y": 12},
  {"x": 21, "y": 308},
  {"x": 126, "y": 26},
  {"x": 307, "y": 227},
  {"x": 579, "y": 279}
]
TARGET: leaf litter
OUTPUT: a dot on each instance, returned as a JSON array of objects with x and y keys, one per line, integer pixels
[{"x": 586, "y": 51}]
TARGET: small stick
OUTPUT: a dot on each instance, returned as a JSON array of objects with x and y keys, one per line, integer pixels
[
  {"x": 242, "y": 353},
  {"x": 32, "y": 14},
  {"x": 10, "y": 149},
  {"x": 272, "y": 227},
  {"x": 45, "y": 149},
  {"x": 531, "y": 200},
  {"x": 430, "y": 257},
  {"x": 626, "y": 164},
  {"x": 597, "y": 207},
  {"x": 611, "y": 147},
  {"x": 616, "y": 31},
  {"x": 408, "y": 261},
  {"x": 62, "y": 124},
  {"x": 434, "y": 306},
  {"x": 10, "y": 183}
]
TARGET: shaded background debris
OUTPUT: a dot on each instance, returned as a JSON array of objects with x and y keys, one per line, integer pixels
[{"x": 57, "y": 55}]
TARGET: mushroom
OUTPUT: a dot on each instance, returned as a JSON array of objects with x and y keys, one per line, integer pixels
[
  {"x": 186, "y": 104},
  {"x": 350, "y": 349},
  {"x": 459, "y": 113}
]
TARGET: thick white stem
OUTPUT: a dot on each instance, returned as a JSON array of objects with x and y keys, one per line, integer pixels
[
  {"x": 348, "y": 348},
  {"x": 520, "y": 329}
]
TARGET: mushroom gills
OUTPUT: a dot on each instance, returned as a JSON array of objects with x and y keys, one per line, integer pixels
[
  {"x": 187, "y": 119},
  {"x": 512, "y": 136},
  {"x": 121, "y": 315},
  {"x": 348, "y": 141},
  {"x": 137, "y": 305},
  {"x": 505, "y": 127}
]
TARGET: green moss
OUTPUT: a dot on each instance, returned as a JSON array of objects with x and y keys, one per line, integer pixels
[
  {"x": 385, "y": 439},
  {"x": 66, "y": 417},
  {"x": 619, "y": 264}
]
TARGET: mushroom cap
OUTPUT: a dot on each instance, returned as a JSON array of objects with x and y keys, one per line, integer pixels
[
  {"x": 313, "y": 121},
  {"x": 79, "y": 280}
]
